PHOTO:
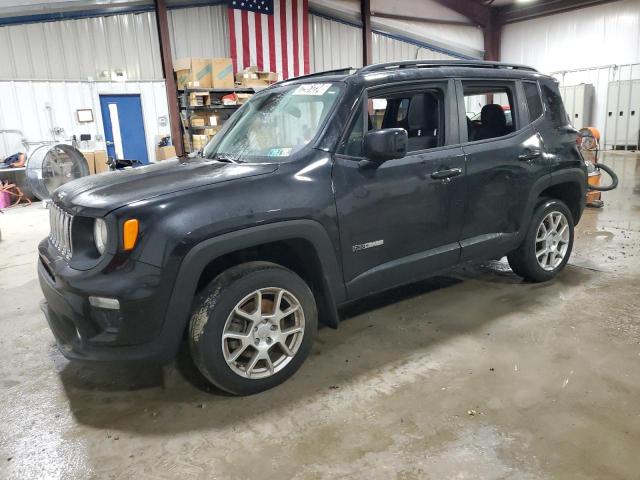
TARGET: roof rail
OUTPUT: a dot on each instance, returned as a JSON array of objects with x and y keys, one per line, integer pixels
[
  {"x": 337, "y": 71},
  {"x": 443, "y": 63}
]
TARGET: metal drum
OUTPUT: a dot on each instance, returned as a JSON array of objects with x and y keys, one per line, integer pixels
[{"x": 50, "y": 166}]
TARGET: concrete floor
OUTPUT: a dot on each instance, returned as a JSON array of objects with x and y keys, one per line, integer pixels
[{"x": 474, "y": 375}]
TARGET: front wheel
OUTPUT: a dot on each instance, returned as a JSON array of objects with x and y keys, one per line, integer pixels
[
  {"x": 252, "y": 327},
  {"x": 547, "y": 245}
]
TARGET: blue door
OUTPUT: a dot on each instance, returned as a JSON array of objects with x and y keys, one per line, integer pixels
[{"x": 124, "y": 127}]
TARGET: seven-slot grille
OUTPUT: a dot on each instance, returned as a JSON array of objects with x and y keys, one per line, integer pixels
[{"x": 60, "y": 234}]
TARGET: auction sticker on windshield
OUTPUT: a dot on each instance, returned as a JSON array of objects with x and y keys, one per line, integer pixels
[
  {"x": 312, "y": 89},
  {"x": 279, "y": 152}
]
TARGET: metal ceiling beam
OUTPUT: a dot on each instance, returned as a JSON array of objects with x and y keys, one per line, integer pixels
[
  {"x": 485, "y": 17},
  {"x": 520, "y": 12},
  {"x": 475, "y": 11},
  {"x": 408, "y": 18}
]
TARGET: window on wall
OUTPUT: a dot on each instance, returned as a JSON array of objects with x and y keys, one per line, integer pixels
[
  {"x": 490, "y": 110},
  {"x": 421, "y": 114},
  {"x": 534, "y": 103}
]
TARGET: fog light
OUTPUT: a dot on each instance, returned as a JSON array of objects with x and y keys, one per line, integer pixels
[{"x": 104, "y": 302}]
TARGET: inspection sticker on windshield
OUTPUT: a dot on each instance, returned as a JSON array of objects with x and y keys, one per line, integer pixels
[
  {"x": 279, "y": 152},
  {"x": 312, "y": 89}
]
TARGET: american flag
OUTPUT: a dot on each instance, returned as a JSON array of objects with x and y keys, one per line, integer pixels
[{"x": 270, "y": 34}]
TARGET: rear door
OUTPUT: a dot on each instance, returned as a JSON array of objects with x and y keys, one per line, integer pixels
[
  {"x": 504, "y": 159},
  {"x": 401, "y": 220}
]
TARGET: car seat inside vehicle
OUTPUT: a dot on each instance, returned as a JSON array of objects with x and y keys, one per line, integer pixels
[
  {"x": 495, "y": 105},
  {"x": 419, "y": 115},
  {"x": 493, "y": 123}
]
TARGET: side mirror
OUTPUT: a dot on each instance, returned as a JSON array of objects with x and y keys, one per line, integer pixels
[{"x": 385, "y": 144}]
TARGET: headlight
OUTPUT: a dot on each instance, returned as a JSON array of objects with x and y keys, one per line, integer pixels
[{"x": 100, "y": 235}]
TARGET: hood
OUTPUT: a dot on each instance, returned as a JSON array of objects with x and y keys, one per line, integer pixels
[{"x": 100, "y": 194}]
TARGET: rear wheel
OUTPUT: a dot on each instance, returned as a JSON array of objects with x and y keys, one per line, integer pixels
[
  {"x": 252, "y": 327},
  {"x": 547, "y": 245}
]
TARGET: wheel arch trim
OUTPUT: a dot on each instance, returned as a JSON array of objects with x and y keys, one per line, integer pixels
[{"x": 203, "y": 253}]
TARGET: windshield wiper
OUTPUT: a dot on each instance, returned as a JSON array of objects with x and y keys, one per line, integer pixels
[{"x": 223, "y": 157}]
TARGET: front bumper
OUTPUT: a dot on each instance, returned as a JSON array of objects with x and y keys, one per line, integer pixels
[{"x": 134, "y": 332}]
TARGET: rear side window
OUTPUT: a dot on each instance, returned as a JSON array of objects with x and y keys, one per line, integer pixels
[
  {"x": 490, "y": 109},
  {"x": 556, "y": 108},
  {"x": 533, "y": 100}
]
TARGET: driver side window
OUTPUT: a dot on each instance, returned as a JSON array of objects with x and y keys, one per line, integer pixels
[{"x": 421, "y": 114}]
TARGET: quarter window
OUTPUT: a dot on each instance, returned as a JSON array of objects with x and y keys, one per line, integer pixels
[
  {"x": 534, "y": 103},
  {"x": 556, "y": 107},
  {"x": 421, "y": 114},
  {"x": 490, "y": 110}
]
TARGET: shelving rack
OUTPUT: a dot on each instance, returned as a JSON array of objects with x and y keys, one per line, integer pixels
[{"x": 222, "y": 111}]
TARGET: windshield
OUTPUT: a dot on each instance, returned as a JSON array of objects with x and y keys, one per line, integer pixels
[{"x": 275, "y": 124}]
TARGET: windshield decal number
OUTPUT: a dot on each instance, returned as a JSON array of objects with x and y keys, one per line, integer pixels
[
  {"x": 279, "y": 152},
  {"x": 312, "y": 89}
]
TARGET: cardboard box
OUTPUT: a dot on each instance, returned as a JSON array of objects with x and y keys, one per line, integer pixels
[
  {"x": 199, "y": 99},
  {"x": 193, "y": 70},
  {"x": 211, "y": 131},
  {"x": 197, "y": 121},
  {"x": 252, "y": 77},
  {"x": 222, "y": 72},
  {"x": 246, "y": 75},
  {"x": 199, "y": 141},
  {"x": 90, "y": 157},
  {"x": 165, "y": 153},
  {"x": 243, "y": 97},
  {"x": 97, "y": 161},
  {"x": 270, "y": 77},
  {"x": 100, "y": 160}
]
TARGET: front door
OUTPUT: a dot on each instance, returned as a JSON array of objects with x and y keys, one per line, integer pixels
[
  {"x": 124, "y": 127},
  {"x": 400, "y": 221}
]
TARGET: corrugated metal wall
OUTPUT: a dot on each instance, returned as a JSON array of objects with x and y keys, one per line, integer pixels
[
  {"x": 81, "y": 49},
  {"x": 333, "y": 44},
  {"x": 199, "y": 32},
  {"x": 583, "y": 38},
  {"x": 49, "y": 64},
  {"x": 388, "y": 49},
  {"x": 337, "y": 45},
  {"x": 85, "y": 48},
  {"x": 582, "y": 46},
  {"x": 24, "y": 106}
]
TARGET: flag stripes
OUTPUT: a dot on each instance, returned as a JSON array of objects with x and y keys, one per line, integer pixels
[{"x": 277, "y": 42}]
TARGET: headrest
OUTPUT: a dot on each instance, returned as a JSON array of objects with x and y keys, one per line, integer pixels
[
  {"x": 493, "y": 115},
  {"x": 423, "y": 112}
]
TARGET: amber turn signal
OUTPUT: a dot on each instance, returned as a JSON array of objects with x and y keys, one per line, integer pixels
[{"x": 129, "y": 234}]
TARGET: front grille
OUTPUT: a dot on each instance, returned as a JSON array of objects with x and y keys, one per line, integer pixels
[{"x": 60, "y": 235}]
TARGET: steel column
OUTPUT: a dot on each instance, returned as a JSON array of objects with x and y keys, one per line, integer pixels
[
  {"x": 492, "y": 32},
  {"x": 169, "y": 80},
  {"x": 365, "y": 12}
]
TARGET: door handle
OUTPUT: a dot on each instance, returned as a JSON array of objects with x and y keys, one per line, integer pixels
[
  {"x": 529, "y": 155},
  {"x": 444, "y": 174}
]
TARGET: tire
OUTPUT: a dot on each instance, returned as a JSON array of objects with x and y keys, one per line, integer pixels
[
  {"x": 524, "y": 261},
  {"x": 269, "y": 349}
]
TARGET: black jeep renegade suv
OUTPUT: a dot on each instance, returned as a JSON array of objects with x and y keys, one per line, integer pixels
[{"x": 319, "y": 191}]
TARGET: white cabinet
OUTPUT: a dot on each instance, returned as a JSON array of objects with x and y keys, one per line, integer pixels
[
  {"x": 623, "y": 114},
  {"x": 578, "y": 103}
]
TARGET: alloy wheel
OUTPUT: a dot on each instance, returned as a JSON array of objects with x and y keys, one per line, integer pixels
[
  {"x": 552, "y": 240},
  {"x": 263, "y": 333}
]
